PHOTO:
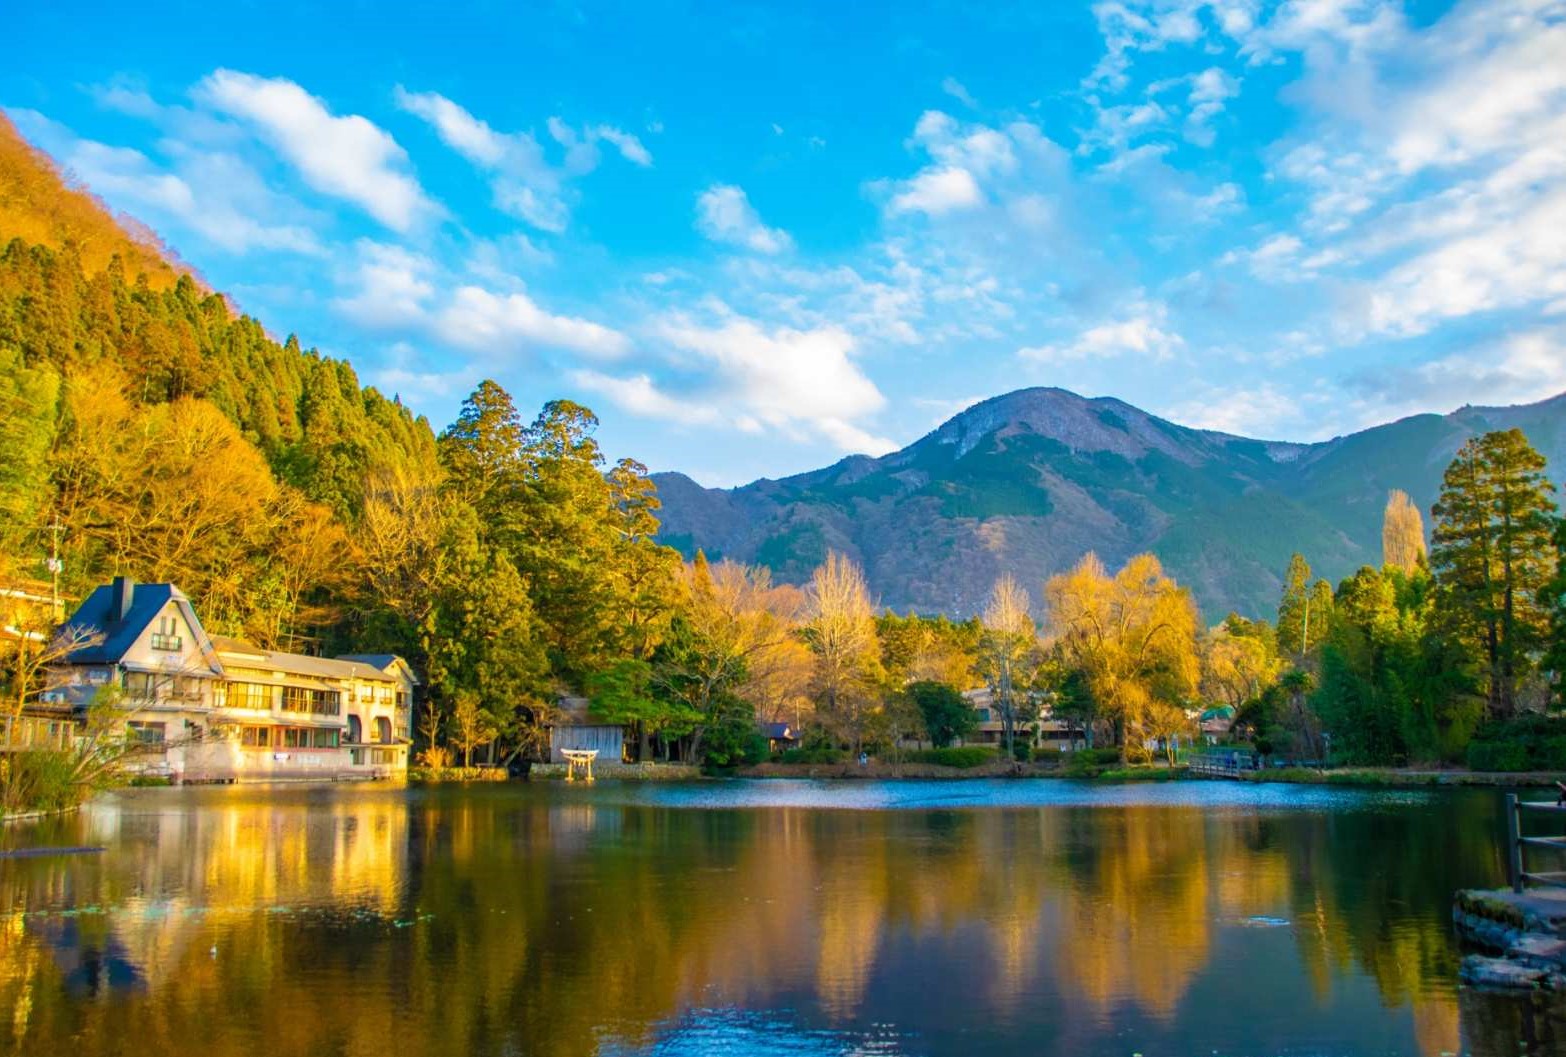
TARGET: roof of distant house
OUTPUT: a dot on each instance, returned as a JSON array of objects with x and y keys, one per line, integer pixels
[
  {"x": 98, "y": 616},
  {"x": 778, "y": 731}
]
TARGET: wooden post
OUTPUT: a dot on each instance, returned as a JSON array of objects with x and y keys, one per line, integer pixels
[{"x": 1514, "y": 857}]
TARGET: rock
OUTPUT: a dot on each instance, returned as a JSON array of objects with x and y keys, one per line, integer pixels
[
  {"x": 1539, "y": 951},
  {"x": 1502, "y": 973}
]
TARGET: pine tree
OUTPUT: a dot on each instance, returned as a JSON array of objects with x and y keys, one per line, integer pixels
[{"x": 1492, "y": 556}]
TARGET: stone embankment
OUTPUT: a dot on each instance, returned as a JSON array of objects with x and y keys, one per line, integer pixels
[{"x": 1524, "y": 935}]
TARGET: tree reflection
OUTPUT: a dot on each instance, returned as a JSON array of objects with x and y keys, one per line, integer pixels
[{"x": 504, "y": 922}]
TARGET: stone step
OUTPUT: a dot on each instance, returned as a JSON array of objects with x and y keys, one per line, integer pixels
[
  {"x": 1480, "y": 971},
  {"x": 1539, "y": 951}
]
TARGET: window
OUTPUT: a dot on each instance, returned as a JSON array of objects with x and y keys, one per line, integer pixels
[
  {"x": 167, "y": 636},
  {"x": 142, "y": 686},
  {"x": 316, "y": 702},
  {"x": 255, "y": 737},
  {"x": 250, "y": 695},
  {"x": 383, "y": 756},
  {"x": 326, "y": 739},
  {"x": 383, "y": 729},
  {"x": 145, "y": 733},
  {"x": 355, "y": 729}
]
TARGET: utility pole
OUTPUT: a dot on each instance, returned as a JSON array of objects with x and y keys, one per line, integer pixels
[{"x": 54, "y": 565}]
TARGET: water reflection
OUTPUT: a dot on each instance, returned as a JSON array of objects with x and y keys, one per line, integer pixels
[{"x": 549, "y": 922}]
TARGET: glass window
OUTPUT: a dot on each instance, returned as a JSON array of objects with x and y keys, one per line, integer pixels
[{"x": 146, "y": 733}]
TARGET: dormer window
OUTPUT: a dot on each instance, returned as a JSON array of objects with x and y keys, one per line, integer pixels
[{"x": 166, "y": 636}]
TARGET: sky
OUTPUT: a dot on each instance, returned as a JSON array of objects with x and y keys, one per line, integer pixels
[{"x": 757, "y": 238}]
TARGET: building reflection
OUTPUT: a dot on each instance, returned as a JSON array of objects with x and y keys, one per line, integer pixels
[{"x": 383, "y": 921}]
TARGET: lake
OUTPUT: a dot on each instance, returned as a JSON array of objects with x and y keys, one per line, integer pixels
[{"x": 767, "y": 917}]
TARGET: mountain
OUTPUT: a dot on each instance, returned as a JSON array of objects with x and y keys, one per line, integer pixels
[{"x": 1030, "y": 481}]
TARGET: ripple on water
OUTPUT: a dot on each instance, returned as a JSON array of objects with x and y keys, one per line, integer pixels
[{"x": 960, "y": 794}]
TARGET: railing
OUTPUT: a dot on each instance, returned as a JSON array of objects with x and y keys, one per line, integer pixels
[
  {"x": 1221, "y": 764},
  {"x": 1516, "y": 841}
]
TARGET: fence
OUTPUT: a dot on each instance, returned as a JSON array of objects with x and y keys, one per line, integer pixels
[
  {"x": 1221, "y": 764},
  {"x": 1517, "y": 841}
]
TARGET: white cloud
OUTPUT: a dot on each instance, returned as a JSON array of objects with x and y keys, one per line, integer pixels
[
  {"x": 724, "y": 214},
  {"x": 639, "y": 395},
  {"x": 479, "y": 319},
  {"x": 802, "y": 383},
  {"x": 954, "y": 88},
  {"x": 522, "y": 179},
  {"x": 1518, "y": 368},
  {"x": 216, "y": 195},
  {"x": 392, "y": 284},
  {"x": 936, "y": 191},
  {"x": 347, "y": 157},
  {"x": 1142, "y": 332},
  {"x": 1264, "y": 411}
]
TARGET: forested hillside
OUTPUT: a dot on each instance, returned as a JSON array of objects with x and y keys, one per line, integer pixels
[{"x": 37, "y": 206}]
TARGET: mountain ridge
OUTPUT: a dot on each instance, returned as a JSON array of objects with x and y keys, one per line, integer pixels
[{"x": 1028, "y": 481}]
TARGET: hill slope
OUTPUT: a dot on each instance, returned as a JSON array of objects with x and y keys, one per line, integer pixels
[
  {"x": 1030, "y": 481},
  {"x": 39, "y": 207}
]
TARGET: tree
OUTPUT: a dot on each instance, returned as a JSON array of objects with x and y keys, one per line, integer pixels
[
  {"x": 1131, "y": 635},
  {"x": 483, "y": 450},
  {"x": 29, "y": 398},
  {"x": 471, "y": 725},
  {"x": 1402, "y": 533},
  {"x": 840, "y": 630},
  {"x": 1492, "y": 557},
  {"x": 946, "y": 713},
  {"x": 1007, "y": 653},
  {"x": 1554, "y": 599},
  {"x": 1302, "y": 611},
  {"x": 1239, "y": 661},
  {"x": 481, "y": 639}
]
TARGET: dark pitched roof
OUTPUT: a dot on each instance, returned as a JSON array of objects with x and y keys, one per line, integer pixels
[
  {"x": 98, "y": 616},
  {"x": 779, "y": 731}
]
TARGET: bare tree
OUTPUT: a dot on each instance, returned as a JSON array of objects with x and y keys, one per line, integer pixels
[
  {"x": 1402, "y": 533},
  {"x": 1007, "y": 654},
  {"x": 840, "y": 628}
]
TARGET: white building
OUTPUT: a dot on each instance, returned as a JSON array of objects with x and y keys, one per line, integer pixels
[{"x": 210, "y": 708}]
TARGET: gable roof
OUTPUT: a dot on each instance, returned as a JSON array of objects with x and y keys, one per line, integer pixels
[
  {"x": 98, "y": 616},
  {"x": 383, "y": 662}
]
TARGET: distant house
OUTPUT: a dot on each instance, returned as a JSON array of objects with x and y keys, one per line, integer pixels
[
  {"x": 1216, "y": 723},
  {"x": 575, "y": 728},
  {"x": 780, "y": 736},
  {"x": 213, "y": 708},
  {"x": 28, "y": 611}
]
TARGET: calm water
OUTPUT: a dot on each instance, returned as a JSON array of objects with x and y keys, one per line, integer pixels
[{"x": 795, "y": 918}]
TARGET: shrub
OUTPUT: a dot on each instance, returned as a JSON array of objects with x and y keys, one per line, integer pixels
[
  {"x": 964, "y": 756},
  {"x": 1526, "y": 743},
  {"x": 38, "y": 780}
]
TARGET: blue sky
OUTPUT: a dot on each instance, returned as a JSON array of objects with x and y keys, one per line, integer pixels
[{"x": 757, "y": 238}]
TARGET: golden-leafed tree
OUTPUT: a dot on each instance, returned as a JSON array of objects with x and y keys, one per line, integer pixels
[
  {"x": 840, "y": 628},
  {"x": 1131, "y": 635},
  {"x": 1402, "y": 533}
]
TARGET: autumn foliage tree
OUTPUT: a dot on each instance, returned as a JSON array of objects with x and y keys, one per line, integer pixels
[
  {"x": 1132, "y": 635},
  {"x": 1402, "y": 533}
]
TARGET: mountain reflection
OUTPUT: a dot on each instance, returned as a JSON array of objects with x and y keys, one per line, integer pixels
[{"x": 505, "y": 921}]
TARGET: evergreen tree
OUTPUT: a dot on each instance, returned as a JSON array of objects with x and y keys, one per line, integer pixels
[
  {"x": 1492, "y": 557},
  {"x": 1303, "y": 612}
]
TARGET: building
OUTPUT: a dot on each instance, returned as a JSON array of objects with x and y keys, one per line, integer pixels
[
  {"x": 212, "y": 708},
  {"x": 28, "y": 614},
  {"x": 575, "y": 728},
  {"x": 780, "y": 736}
]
